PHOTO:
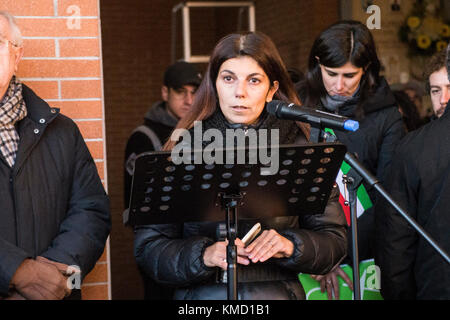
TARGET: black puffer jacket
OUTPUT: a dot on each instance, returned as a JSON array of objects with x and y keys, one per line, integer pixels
[
  {"x": 173, "y": 254},
  {"x": 419, "y": 180},
  {"x": 379, "y": 133},
  {"x": 52, "y": 203}
]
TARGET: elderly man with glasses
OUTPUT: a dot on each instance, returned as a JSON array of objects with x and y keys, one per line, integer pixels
[{"x": 54, "y": 212}]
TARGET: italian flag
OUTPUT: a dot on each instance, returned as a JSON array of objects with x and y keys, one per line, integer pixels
[{"x": 363, "y": 199}]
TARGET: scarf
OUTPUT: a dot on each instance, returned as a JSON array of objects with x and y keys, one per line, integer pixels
[
  {"x": 12, "y": 110},
  {"x": 336, "y": 102}
]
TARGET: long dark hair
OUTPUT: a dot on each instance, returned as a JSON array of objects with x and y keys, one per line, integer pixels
[
  {"x": 255, "y": 45},
  {"x": 342, "y": 42}
]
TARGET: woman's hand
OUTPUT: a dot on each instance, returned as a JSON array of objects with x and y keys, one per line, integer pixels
[
  {"x": 269, "y": 244},
  {"x": 330, "y": 284},
  {"x": 216, "y": 254}
]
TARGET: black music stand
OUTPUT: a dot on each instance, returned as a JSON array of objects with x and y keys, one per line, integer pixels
[{"x": 163, "y": 192}]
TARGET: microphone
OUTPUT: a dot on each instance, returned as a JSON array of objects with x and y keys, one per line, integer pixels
[{"x": 290, "y": 111}]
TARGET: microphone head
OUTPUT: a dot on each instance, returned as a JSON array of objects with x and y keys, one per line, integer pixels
[
  {"x": 351, "y": 125},
  {"x": 273, "y": 106}
]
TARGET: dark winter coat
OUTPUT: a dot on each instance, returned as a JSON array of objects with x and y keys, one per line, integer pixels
[
  {"x": 374, "y": 143},
  {"x": 173, "y": 254},
  {"x": 419, "y": 180},
  {"x": 52, "y": 201}
]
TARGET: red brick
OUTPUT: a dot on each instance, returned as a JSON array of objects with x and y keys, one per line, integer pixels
[
  {"x": 28, "y": 7},
  {"x": 90, "y": 129},
  {"x": 94, "y": 292},
  {"x": 95, "y": 148},
  {"x": 79, "y": 48},
  {"x": 80, "y": 109},
  {"x": 81, "y": 89},
  {"x": 98, "y": 274},
  {"x": 44, "y": 89},
  {"x": 87, "y": 7},
  {"x": 57, "y": 27},
  {"x": 59, "y": 68},
  {"x": 39, "y": 48}
]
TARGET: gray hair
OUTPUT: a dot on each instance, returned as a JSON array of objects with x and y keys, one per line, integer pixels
[{"x": 15, "y": 31}]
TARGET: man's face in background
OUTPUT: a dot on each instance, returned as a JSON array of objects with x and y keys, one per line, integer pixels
[
  {"x": 439, "y": 90},
  {"x": 179, "y": 101}
]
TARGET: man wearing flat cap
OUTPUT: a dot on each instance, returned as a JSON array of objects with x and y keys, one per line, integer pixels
[
  {"x": 181, "y": 80},
  {"x": 180, "y": 83}
]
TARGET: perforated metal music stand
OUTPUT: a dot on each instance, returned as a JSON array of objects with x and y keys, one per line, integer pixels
[{"x": 163, "y": 192}]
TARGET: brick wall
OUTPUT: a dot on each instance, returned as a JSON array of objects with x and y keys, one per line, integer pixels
[
  {"x": 136, "y": 49},
  {"x": 62, "y": 64},
  {"x": 136, "y": 42},
  {"x": 397, "y": 65},
  {"x": 391, "y": 51},
  {"x": 293, "y": 25}
]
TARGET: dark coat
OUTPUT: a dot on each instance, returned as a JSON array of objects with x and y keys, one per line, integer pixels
[
  {"x": 173, "y": 254},
  {"x": 380, "y": 130},
  {"x": 379, "y": 133},
  {"x": 374, "y": 143},
  {"x": 52, "y": 201},
  {"x": 419, "y": 180}
]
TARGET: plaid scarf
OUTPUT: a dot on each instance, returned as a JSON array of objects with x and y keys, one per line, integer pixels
[{"x": 12, "y": 109}]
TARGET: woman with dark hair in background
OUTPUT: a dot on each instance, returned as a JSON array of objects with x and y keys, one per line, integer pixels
[
  {"x": 244, "y": 73},
  {"x": 343, "y": 78}
]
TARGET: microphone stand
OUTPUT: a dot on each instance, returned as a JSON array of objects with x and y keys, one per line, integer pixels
[
  {"x": 372, "y": 181},
  {"x": 230, "y": 203},
  {"x": 352, "y": 181}
]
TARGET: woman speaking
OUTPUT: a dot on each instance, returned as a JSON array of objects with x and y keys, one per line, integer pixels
[{"x": 244, "y": 73}]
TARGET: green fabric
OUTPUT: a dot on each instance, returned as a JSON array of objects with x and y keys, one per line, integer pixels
[{"x": 369, "y": 278}]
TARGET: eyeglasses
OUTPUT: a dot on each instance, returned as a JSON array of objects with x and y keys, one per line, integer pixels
[{"x": 4, "y": 43}]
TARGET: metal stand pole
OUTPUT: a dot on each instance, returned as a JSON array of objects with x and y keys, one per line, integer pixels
[
  {"x": 352, "y": 186},
  {"x": 230, "y": 202},
  {"x": 372, "y": 181}
]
